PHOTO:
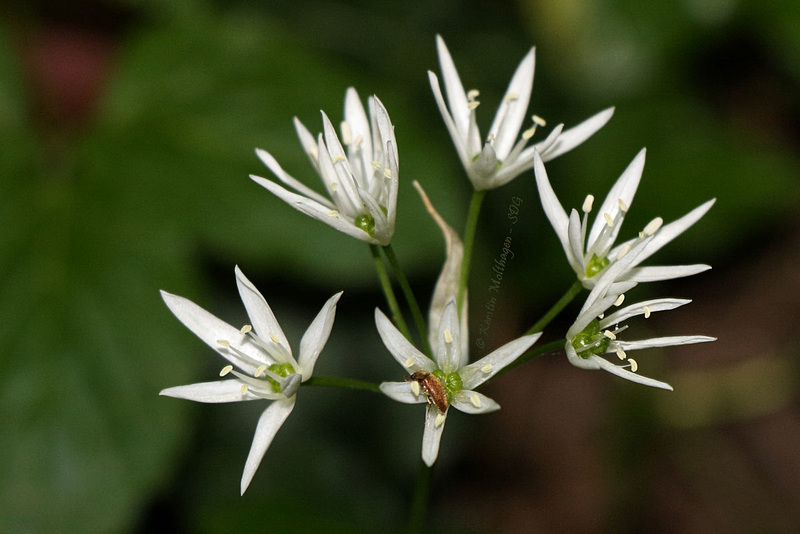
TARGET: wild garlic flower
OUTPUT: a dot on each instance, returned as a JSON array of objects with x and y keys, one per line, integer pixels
[
  {"x": 504, "y": 154},
  {"x": 361, "y": 180},
  {"x": 595, "y": 334},
  {"x": 263, "y": 365},
  {"x": 591, "y": 255},
  {"x": 447, "y": 381}
]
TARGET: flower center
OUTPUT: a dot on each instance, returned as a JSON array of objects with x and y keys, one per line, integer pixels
[
  {"x": 451, "y": 381},
  {"x": 591, "y": 341},
  {"x": 280, "y": 369},
  {"x": 366, "y": 223},
  {"x": 595, "y": 265}
]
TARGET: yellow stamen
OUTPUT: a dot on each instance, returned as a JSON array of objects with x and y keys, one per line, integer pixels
[
  {"x": 275, "y": 339},
  {"x": 245, "y": 329},
  {"x": 621, "y": 354},
  {"x": 448, "y": 337},
  {"x": 409, "y": 363},
  {"x": 415, "y": 388},
  {"x": 487, "y": 368},
  {"x": 225, "y": 370},
  {"x": 539, "y": 121},
  {"x": 634, "y": 365},
  {"x": 609, "y": 334},
  {"x": 587, "y": 203},
  {"x": 260, "y": 370},
  {"x": 646, "y": 312},
  {"x": 609, "y": 220},
  {"x": 439, "y": 421},
  {"x": 475, "y": 400},
  {"x": 336, "y": 159},
  {"x": 619, "y": 300}
]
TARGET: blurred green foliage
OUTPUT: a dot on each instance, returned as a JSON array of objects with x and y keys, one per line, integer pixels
[{"x": 153, "y": 193}]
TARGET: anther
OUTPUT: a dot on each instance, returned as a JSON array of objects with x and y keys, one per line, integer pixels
[
  {"x": 333, "y": 213},
  {"x": 634, "y": 365},
  {"x": 621, "y": 354},
  {"x": 622, "y": 205},
  {"x": 475, "y": 400},
  {"x": 472, "y": 105},
  {"x": 347, "y": 133},
  {"x": 387, "y": 172},
  {"x": 619, "y": 300},
  {"x": 223, "y": 343},
  {"x": 527, "y": 134},
  {"x": 511, "y": 97},
  {"x": 260, "y": 371},
  {"x": 538, "y": 120},
  {"x": 653, "y": 226},
  {"x": 609, "y": 334},
  {"x": 336, "y": 159},
  {"x": 587, "y": 203},
  {"x": 358, "y": 140},
  {"x": 439, "y": 421},
  {"x": 245, "y": 329},
  {"x": 244, "y": 389},
  {"x": 376, "y": 165},
  {"x": 624, "y": 250},
  {"x": 448, "y": 337},
  {"x": 646, "y": 312},
  {"x": 225, "y": 370},
  {"x": 275, "y": 339},
  {"x": 609, "y": 220},
  {"x": 487, "y": 368},
  {"x": 409, "y": 363},
  {"x": 334, "y": 186},
  {"x": 414, "y": 388},
  {"x": 472, "y": 94}
]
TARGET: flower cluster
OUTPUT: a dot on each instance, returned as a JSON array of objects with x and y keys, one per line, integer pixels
[{"x": 359, "y": 168}]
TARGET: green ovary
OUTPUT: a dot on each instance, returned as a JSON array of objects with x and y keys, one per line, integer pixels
[
  {"x": 596, "y": 265},
  {"x": 452, "y": 382},
  {"x": 591, "y": 340},
  {"x": 280, "y": 369},
  {"x": 366, "y": 223}
]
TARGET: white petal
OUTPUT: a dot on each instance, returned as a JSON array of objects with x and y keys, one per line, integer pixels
[
  {"x": 670, "y": 231},
  {"x": 400, "y": 348},
  {"x": 263, "y": 320},
  {"x": 663, "y": 342},
  {"x": 575, "y": 251},
  {"x": 624, "y": 189},
  {"x": 458, "y": 140},
  {"x": 268, "y": 425},
  {"x": 448, "y": 353},
  {"x": 552, "y": 207},
  {"x": 273, "y": 165},
  {"x": 513, "y": 109},
  {"x": 476, "y": 373},
  {"x": 316, "y": 210},
  {"x": 316, "y": 336},
  {"x": 432, "y": 435},
  {"x": 456, "y": 96},
  {"x": 210, "y": 329},
  {"x": 577, "y": 134},
  {"x": 627, "y": 375},
  {"x": 670, "y": 272},
  {"x": 466, "y": 400},
  {"x": 655, "y": 305},
  {"x": 356, "y": 118},
  {"x": 401, "y": 392},
  {"x": 210, "y": 392}
]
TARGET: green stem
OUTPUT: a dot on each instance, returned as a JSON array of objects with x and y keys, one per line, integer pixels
[
  {"x": 343, "y": 383},
  {"x": 409, "y": 294},
  {"x": 571, "y": 293},
  {"x": 553, "y": 346},
  {"x": 469, "y": 239},
  {"x": 386, "y": 285},
  {"x": 419, "y": 506}
]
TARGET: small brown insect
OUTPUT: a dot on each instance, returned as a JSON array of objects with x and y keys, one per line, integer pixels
[{"x": 434, "y": 389}]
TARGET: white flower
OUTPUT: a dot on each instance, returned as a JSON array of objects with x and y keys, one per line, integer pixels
[
  {"x": 361, "y": 181},
  {"x": 503, "y": 156},
  {"x": 448, "y": 381},
  {"x": 263, "y": 357},
  {"x": 591, "y": 255},
  {"x": 594, "y": 334}
]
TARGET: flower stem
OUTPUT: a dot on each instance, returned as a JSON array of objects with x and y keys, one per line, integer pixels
[
  {"x": 469, "y": 239},
  {"x": 409, "y": 294},
  {"x": 386, "y": 285},
  {"x": 553, "y": 346},
  {"x": 343, "y": 383},
  {"x": 419, "y": 506},
  {"x": 571, "y": 293}
]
